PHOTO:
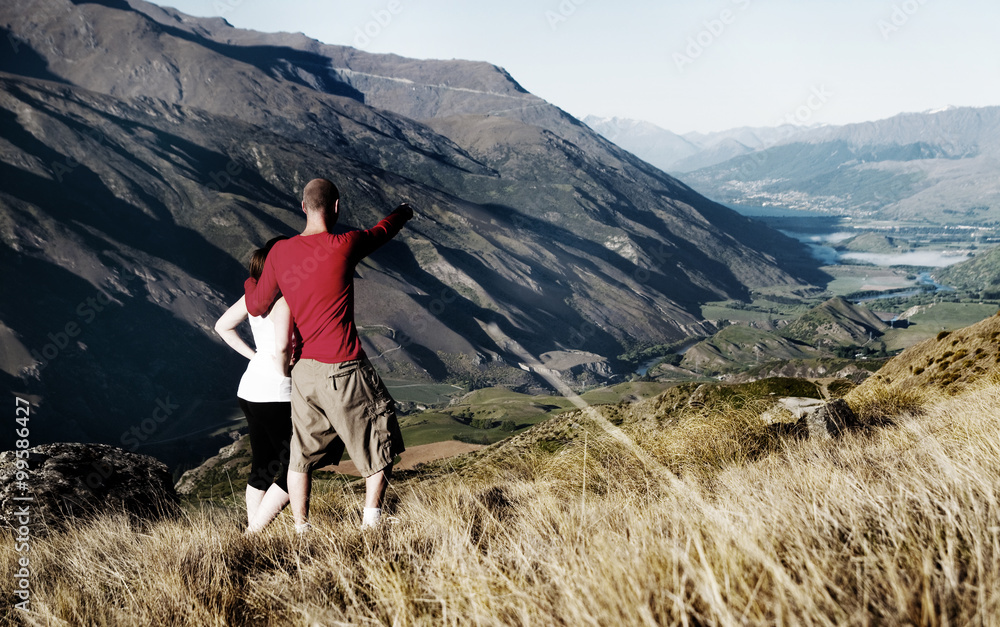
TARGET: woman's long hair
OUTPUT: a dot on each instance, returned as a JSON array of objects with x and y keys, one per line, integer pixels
[{"x": 256, "y": 265}]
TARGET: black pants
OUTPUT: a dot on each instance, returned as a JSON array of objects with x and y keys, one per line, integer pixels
[{"x": 270, "y": 429}]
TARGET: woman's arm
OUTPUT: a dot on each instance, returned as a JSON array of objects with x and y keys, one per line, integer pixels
[
  {"x": 226, "y": 328},
  {"x": 281, "y": 317}
]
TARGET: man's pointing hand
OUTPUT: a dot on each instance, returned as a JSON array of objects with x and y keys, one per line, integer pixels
[{"x": 406, "y": 210}]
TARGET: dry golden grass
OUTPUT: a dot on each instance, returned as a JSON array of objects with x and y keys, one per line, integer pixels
[
  {"x": 950, "y": 362},
  {"x": 898, "y": 525},
  {"x": 878, "y": 403},
  {"x": 705, "y": 440}
]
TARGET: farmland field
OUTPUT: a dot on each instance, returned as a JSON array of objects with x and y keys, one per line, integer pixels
[
  {"x": 491, "y": 414},
  {"x": 931, "y": 319},
  {"x": 427, "y": 393}
]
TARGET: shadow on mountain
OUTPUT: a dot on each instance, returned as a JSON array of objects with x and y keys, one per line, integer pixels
[
  {"x": 791, "y": 255},
  {"x": 99, "y": 208},
  {"x": 664, "y": 276},
  {"x": 458, "y": 312},
  {"x": 24, "y": 61},
  {"x": 116, "y": 368},
  {"x": 307, "y": 69},
  {"x": 121, "y": 5}
]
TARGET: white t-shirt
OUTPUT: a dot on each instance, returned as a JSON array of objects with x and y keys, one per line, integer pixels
[{"x": 263, "y": 382}]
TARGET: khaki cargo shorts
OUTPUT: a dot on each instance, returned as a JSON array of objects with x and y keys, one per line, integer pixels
[{"x": 338, "y": 406}]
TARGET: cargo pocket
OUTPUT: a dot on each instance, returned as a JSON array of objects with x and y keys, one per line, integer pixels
[
  {"x": 338, "y": 379},
  {"x": 380, "y": 409},
  {"x": 385, "y": 440},
  {"x": 378, "y": 394}
]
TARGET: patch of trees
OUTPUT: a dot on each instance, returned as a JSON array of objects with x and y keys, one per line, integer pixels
[{"x": 875, "y": 351}]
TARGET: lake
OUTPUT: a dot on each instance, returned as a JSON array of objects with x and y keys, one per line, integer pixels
[
  {"x": 818, "y": 231},
  {"x": 927, "y": 258},
  {"x": 924, "y": 281}
]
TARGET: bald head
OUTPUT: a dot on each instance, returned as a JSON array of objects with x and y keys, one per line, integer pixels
[{"x": 320, "y": 196}]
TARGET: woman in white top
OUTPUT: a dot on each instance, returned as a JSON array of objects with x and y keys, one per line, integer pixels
[{"x": 265, "y": 395}]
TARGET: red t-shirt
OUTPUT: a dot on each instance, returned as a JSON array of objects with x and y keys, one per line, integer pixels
[{"x": 315, "y": 274}]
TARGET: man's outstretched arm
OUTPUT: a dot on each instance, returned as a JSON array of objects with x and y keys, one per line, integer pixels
[
  {"x": 387, "y": 228},
  {"x": 260, "y": 295}
]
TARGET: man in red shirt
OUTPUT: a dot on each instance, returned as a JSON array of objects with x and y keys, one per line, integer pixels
[{"x": 338, "y": 400}]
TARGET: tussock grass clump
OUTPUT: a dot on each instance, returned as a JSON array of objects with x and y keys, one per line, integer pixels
[
  {"x": 708, "y": 439},
  {"x": 893, "y": 525},
  {"x": 877, "y": 403}
]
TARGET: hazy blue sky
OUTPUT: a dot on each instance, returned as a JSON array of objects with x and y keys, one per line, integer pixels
[{"x": 695, "y": 65}]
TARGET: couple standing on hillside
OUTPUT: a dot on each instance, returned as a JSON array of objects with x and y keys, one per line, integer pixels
[{"x": 304, "y": 417}]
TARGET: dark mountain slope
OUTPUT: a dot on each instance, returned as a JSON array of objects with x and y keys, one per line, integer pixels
[{"x": 241, "y": 77}]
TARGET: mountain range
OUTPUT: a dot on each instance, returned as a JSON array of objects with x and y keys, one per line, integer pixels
[
  {"x": 145, "y": 153},
  {"x": 681, "y": 153},
  {"x": 939, "y": 167}
]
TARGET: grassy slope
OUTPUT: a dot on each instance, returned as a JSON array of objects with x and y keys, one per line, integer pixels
[
  {"x": 735, "y": 346},
  {"x": 929, "y": 320},
  {"x": 982, "y": 272},
  {"x": 699, "y": 521},
  {"x": 835, "y": 322},
  {"x": 217, "y": 476},
  {"x": 951, "y": 360},
  {"x": 690, "y": 510}
]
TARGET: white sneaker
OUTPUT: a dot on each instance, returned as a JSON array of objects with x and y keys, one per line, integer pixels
[
  {"x": 303, "y": 529},
  {"x": 383, "y": 520},
  {"x": 371, "y": 517}
]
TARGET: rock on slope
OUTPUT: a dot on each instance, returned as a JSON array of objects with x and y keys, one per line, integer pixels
[{"x": 71, "y": 481}]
